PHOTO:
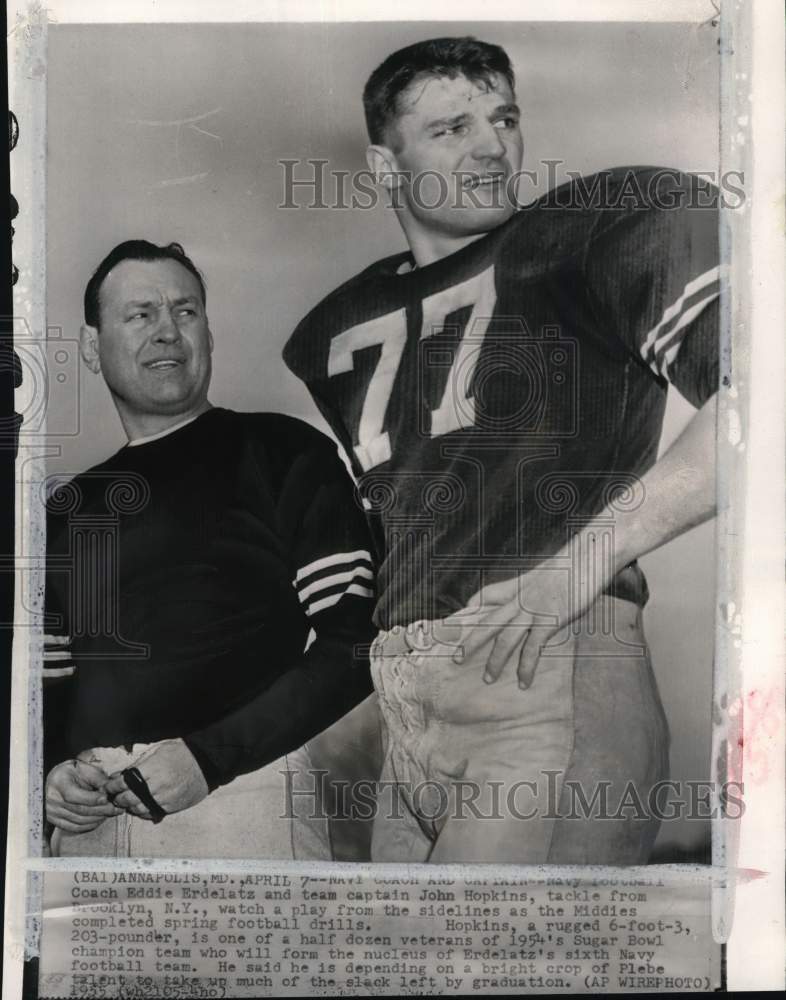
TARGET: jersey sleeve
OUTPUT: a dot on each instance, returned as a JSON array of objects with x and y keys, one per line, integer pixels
[
  {"x": 306, "y": 356},
  {"x": 652, "y": 264},
  {"x": 59, "y": 581},
  {"x": 332, "y": 573},
  {"x": 331, "y": 552},
  {"x": 58, "y": 665}
]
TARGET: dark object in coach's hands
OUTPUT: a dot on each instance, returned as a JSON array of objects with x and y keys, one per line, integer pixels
[{"x": 137, "y": 784}]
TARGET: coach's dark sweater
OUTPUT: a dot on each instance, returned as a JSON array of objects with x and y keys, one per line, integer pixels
[{"x": 188, "y": 571}]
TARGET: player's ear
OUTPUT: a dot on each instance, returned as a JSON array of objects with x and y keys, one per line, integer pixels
[
  {"x": 88, "y": 347},
  {"x": 382, "y": 164}
]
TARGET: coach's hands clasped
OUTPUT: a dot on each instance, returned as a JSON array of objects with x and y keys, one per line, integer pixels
[
  {"x": 80, "y": 796},
  {"x": 173, "y": 778},
  {"x": 76, "y": 798}
]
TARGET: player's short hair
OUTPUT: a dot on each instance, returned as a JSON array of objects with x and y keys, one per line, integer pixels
[
  {"x": 450, "y": 57},
  {"x": 135, "y": 250}
]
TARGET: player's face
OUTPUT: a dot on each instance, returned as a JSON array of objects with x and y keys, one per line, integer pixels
[
  {"x": 459, "y": 144},
  {"x": 153, "y": 344}
]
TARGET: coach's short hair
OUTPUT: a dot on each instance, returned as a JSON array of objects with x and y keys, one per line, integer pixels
[
  {"x": 451, "y": 57},
  {"x": 135, "y": 250}
]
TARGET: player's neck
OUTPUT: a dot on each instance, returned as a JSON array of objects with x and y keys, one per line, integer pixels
[
  {"x": 144, "y": 425},
  {"x": 428, "y": 247}
]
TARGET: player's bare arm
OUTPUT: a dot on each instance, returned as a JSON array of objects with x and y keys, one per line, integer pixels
[{"x": 519, "y": 616}]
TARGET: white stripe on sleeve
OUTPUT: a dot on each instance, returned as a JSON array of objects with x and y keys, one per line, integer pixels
[
  {"x": 57, "y": 659},
  {"x": 323, "y": 582},
  {"x": 671, "y": 353},
  {"x": 329, "y": 581},
  {"x": 327, "y": 602},
  {"x": 337, "y": 559},
  {"x": 666, "y": 328}
]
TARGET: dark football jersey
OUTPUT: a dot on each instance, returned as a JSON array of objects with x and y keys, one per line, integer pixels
[
  {"x": 188, "y": 570},
  {"x": 495, "y": 400}
]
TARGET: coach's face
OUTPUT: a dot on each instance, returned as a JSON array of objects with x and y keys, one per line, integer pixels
[
  {"x": 452, "y": 154},
  {"x": 153, "y": 345}
]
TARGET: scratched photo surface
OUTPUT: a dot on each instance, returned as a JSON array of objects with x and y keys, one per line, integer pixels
[{"x": 177, "y": 132}]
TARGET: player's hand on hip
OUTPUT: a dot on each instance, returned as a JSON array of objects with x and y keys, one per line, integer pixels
[
  {"x": 76, "y": 799},
  {"x": 517, "y": 617},
  {"x": 173, "y": 778}
]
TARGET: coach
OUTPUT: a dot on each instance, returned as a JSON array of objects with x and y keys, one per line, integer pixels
[{"x": 188, "y": 570}]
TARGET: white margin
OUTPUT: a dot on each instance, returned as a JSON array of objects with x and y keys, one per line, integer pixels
[
  {"x": 327, "y": 11},
  {"x": 755, "y": 950}
]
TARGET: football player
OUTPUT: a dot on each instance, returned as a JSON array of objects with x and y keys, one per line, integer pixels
[{"x": 500, "y": 389}]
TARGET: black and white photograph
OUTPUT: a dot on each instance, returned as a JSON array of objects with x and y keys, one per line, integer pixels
[
  {"x": 501, "y": 403},
  {"x": 382, "y": 474}
]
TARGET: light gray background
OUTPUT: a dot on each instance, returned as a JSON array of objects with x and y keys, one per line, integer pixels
[{"x": 120, "y": 166}]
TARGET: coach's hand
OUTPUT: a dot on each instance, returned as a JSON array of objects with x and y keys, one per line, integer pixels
[
  {"x": 519, "y": 616},
  {"x": 76, "y": 799},
  {"x": 173, "y": 777}
]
